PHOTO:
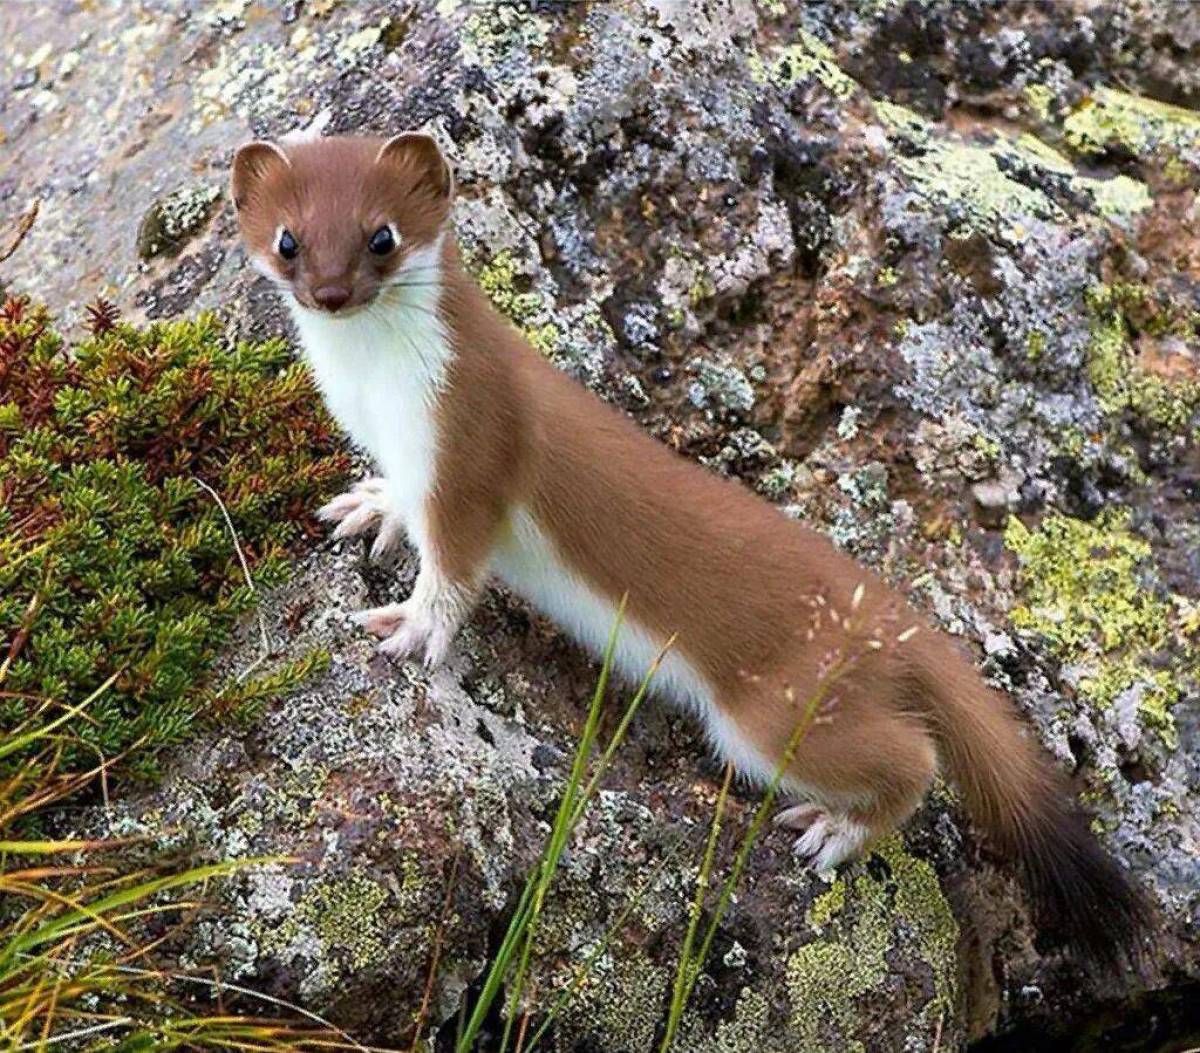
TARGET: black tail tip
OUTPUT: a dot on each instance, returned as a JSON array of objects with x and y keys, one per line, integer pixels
[{"x": 1082, "y": 896}]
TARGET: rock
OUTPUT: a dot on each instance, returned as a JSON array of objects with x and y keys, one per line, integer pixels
[
  {"x": 891, "y": 264},
  {"x": 995, "y": 498}
]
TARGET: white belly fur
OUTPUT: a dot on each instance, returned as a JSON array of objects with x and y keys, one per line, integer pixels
[{"x": 527, "y": 562}]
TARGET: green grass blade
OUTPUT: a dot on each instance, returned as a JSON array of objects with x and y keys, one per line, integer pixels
[
  {"x": 19, "y": 742},
  {"x": 683, "y": 973},
  {"x": 519, "y": 924},
  {"x": 64, "y": 923}
]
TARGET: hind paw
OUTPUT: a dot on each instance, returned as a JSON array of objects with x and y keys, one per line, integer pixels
[
  {"x": 830, "y": 840},
  {"x": 798, "y": 816}
]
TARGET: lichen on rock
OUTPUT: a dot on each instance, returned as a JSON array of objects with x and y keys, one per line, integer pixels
[
  {"x": 174, "y": 219},
  {"x": 906, "y": 268},
  {"x": 1089, "y": 589}
]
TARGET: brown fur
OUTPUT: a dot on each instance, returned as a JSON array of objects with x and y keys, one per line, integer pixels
[{"x": 765, "y": 609}]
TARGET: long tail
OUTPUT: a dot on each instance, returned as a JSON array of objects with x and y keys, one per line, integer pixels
[{"x": 1080, "y": 893}]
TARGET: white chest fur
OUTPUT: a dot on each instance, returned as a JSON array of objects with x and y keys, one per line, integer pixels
[{"x": 381, "y": 370}]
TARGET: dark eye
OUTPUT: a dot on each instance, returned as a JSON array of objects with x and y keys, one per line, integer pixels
[
  {"x": 288, "y": 246},
  {"x": 382, "y": 241}
]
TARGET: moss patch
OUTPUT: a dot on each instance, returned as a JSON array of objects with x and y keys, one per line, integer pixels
[{"x": 1088, "y": 590}]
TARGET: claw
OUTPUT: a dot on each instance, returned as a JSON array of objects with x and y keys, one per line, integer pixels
[{"x": 831, "y": 840}]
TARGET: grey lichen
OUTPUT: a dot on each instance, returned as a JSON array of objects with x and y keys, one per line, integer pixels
[{"x": 170, "y": 221}]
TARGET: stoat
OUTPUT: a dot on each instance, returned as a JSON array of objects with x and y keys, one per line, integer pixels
[{"x": 494, "y": 462}]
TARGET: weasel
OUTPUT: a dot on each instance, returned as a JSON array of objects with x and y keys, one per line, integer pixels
[{"x": 494, "y": 462}]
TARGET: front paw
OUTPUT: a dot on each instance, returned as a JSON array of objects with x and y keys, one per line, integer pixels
[
  {"x": 362, "y": 508},
  {"x": 408, "y": 629}
]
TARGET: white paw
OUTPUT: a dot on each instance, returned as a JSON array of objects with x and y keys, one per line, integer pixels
[
  {"x": 799, "y": 816},
  {"x": 830, "y": 840},
  {"x": 362, "y": 508},
  {"x": 408, "y": 629}
]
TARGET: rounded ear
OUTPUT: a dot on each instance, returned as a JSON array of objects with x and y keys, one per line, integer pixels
[
  {"x": 251, "y": 164},
  {"x": 420, "y": 153}
]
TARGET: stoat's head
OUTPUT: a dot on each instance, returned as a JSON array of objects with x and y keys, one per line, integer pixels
[{"x": 337, "y": 221}]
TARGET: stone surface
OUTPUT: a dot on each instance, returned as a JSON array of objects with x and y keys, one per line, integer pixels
[{"x": 877, "y": 260}]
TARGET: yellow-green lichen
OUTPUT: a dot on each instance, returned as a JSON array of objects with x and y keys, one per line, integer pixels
[
  {"x": 341, "y": 919},
  {"x": 499, "y": 279},
  {"x": 807, "y": 59},
  {"x": 979, "y": 175},
  {"x": 749, "y": 1031},
  {"x": 827, "y": 906},
  {"x": 171, "y": 221},
  {"x": 619, "y": 1005},
  {"x": 947, "y": 171},
  {"x": 863, "y": 919},
  {"x": 901, "y": 122},
  {"x": 1118, "y": 198},
  {"x": 969, "y": 175},
  {"x": 886, "y": 277},
  {"x": 1040, "y": 99},
  {"x": 1120, "y": 383},
  {"x": 1084, "y": 589},
  {"x": 1044, "y": 155},
  {"x": 1111, "y": 118},
  {"x": 492, "y": 33}
]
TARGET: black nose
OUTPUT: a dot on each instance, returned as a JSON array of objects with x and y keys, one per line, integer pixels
[{"x": 332, "y": 297}]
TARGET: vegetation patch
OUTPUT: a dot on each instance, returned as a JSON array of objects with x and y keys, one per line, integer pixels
[
  {"x": 117, "y": 565},
  {"x": 807, "y": 59},
  {"x": 861, "y": 918},
  {"x": 1115, "y": 120}
]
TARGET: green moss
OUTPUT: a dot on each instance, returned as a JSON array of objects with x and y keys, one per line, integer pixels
[
  {"x": 864, "y": 918},
  {"x": 126, "y": 562},
  {"x": 1084, "y": 590},
  {"x": 1120, "y": 383}
]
